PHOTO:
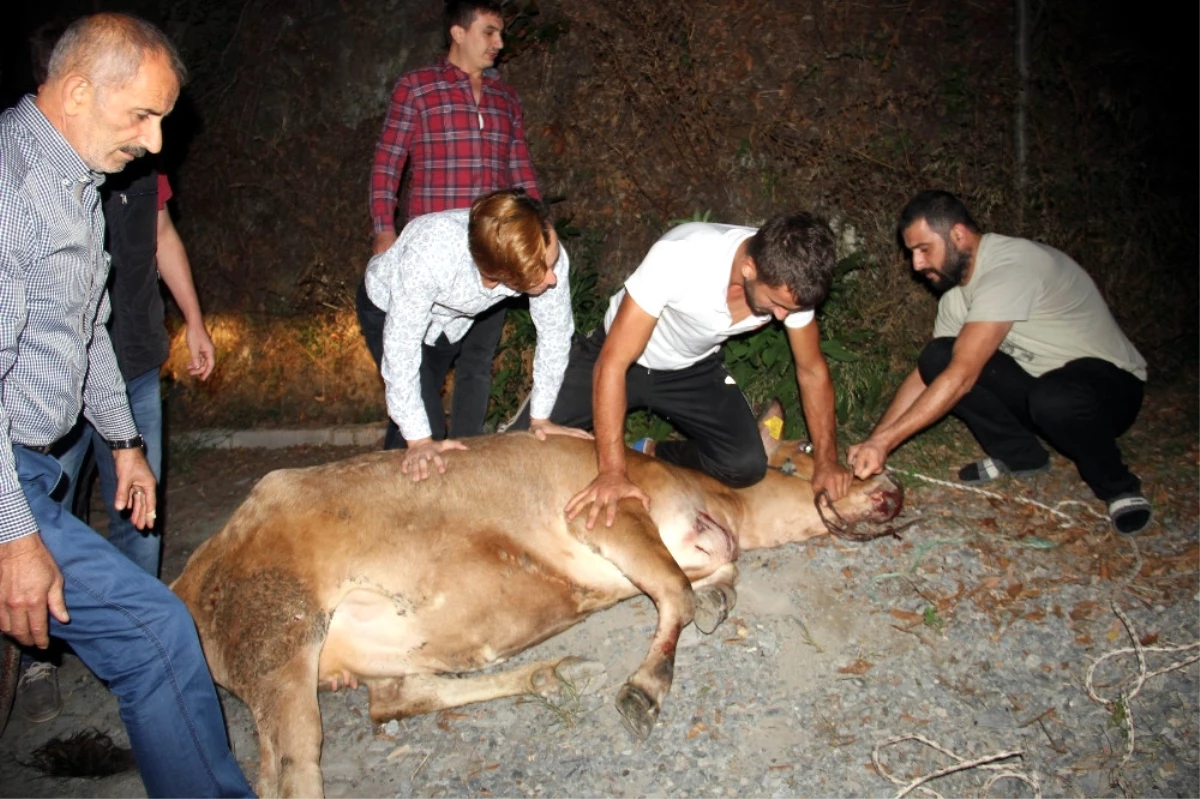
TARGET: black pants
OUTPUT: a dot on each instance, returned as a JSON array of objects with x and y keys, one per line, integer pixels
[
  {"x": 471, "y": 358},
  {"x": 1080, "y": 408},
  {"x": 701, "y": 401}
]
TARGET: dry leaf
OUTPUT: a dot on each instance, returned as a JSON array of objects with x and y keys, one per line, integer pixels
[
  {"x": 859, "y": 666},
  {"x": 906, "y": 615}
]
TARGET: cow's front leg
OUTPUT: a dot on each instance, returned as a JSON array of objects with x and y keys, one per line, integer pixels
[
  {"x": 715, "y": 598},
  {"x": 634, "y": 546}
]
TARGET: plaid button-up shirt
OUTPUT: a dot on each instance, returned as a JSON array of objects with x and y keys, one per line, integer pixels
[
  {"x": 55, "y": 355},
  {"x": 457, "y": 149}
]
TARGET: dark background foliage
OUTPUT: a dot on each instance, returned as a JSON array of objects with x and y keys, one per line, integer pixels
[{"x": 644, "y": 112}]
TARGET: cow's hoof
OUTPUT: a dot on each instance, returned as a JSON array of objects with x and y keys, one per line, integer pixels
[
  {"x": 638, "y": 711},
  {"x": 713, "y": 603}
]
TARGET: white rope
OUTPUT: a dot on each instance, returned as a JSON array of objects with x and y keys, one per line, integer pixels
[
  {"x": 1002, "y": 498},
  {"x": 962, "y": 764},
  {"x": 1126, "y": 697}
]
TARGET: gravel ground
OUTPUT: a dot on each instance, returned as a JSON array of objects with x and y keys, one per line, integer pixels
[{"x": 976, "y": 632}]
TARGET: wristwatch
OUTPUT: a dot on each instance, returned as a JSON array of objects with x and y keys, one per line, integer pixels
[{"x": 137, "y": 442}]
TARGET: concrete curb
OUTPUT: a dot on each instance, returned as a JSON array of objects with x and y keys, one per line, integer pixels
[{"x": 350, "y": 435}]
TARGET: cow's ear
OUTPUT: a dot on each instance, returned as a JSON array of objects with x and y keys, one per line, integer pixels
[{"x": 770, "y": 427}]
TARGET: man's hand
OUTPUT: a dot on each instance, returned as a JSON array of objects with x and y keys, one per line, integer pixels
[
  {"x": 604, "y": 493},
  {"x": 383, "y": 240},
  {"x": 867, "y": 458},
  {"x": 544, "y": 427},
  {"x": 30, "y": 582},
  {"x": 425, "y": 451},
  {"x": 201, "y": 348},
  {"x": 832, "y": 478},
  {"x": 136, "y": 487}
]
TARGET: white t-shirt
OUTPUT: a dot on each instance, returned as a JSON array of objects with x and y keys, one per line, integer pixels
[
  {"x": 1057, "y": 312},
  {"x": 683, "y": 282}
]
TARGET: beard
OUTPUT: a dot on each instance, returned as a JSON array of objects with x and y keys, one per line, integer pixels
[
  {"x": 748, "y": 286},
  {"x": 954, "y": 265}
]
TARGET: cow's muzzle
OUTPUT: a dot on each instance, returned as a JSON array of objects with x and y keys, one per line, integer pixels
[{"x": 886, "y": 504}]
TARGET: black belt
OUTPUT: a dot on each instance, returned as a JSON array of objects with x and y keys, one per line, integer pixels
[{"x": 44, "y": 449}]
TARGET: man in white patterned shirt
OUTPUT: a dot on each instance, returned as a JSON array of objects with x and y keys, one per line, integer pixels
[
  {"x": 112, "y": 79},
  {"x": 427, "y": 288}
]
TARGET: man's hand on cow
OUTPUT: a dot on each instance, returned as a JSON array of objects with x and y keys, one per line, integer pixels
[
  {"x": 425, "y": 451},
  {"x": 136, "y": 487},
  {"x": 30, "y": 582},
  {"x": 603, "y": 494},
  {"x": 867, "y": 458},
  {"x": 832, "y": 478},
  {"x": 544, "y": 427}
]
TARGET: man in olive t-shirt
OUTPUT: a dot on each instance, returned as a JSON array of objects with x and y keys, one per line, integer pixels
[{"x": 1024, "y": 346}]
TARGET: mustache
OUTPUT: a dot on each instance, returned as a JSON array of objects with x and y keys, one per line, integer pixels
[{"x": 136, "y": 152}]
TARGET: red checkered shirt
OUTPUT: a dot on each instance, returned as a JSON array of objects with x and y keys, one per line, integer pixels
[{"x": 457, "y": 150}]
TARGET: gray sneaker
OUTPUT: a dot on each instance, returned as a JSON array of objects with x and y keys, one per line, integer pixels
[{"x": 37, "y": 692}]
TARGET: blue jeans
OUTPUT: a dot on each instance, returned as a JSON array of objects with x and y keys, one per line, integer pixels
[
  {"x": 136, "y": 636},
  {"x": 142, "y": 547}
]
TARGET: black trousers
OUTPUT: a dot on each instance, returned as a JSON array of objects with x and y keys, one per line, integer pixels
[
  {"x": 471, "y": 358},
  {"x": 1080, "y": 409},
  {"x": 701, "y": 401}
]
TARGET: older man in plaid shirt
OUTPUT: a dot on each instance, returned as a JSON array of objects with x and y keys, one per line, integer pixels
[{"x": 460, "y": 130}]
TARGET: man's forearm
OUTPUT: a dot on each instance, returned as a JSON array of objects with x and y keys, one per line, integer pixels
[
  {"x": 906, "y": 395},
  {"x": 176, "y": 271},
  {"x": 914, "y": 409},
  {"x": 820, "y": 415},
  {"x": 608, "y": 411}
]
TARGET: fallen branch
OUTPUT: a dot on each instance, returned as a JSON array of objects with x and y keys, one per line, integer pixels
[
  {"x": 1126, "y": 697},
  {"x": 962, "y": 764}
]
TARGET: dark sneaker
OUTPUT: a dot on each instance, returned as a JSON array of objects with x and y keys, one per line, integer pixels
[
  {"x": 37, "y": 693},
  {"x": 988, "y": 469},
  {"x": 1130, "y": 512}
]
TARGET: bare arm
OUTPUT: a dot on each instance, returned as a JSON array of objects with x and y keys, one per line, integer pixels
[
  {"x": 176, "y": 272},
  {"x": 916, "y": 406},
  {"x": 626, "y": 339},
  {"x": 817, "y": 398}
]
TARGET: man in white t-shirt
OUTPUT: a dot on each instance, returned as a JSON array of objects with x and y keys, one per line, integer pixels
[
  {"x": 660, "y": 349},
  {"x": 1024, "y": 345}
]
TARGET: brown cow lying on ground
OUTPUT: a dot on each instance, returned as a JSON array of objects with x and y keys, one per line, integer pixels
[{"x": 349, "y": 572}]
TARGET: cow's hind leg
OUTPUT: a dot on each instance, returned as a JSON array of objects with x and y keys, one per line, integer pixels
[
  {"x": 634, "y": 546},
  {"x": 285, "y": 709},
  {"x": 426, "y": 693}
]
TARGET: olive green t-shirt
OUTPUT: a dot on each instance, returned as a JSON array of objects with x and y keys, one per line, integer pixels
[{"x": 1057, "y": 312}]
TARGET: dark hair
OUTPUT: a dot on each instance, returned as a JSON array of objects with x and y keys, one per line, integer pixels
[
  {"x": 109, "y": 48},
  {"x": 463, "y": 12},
  {"x": 507, "y": 235},
  {"x": 795, "y": 251},
  {"x": 941, "y": 210}
]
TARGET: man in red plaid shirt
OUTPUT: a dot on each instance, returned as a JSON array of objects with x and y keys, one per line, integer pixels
[{"x": 461, "y": 132}]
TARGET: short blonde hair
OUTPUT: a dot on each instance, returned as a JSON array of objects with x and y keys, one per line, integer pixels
[{"x": 508, "y": 234}]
